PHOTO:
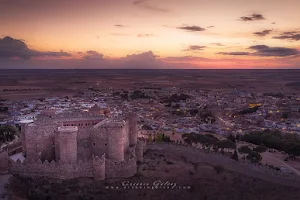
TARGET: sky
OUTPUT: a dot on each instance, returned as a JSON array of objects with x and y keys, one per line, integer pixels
[{"x": 138, "y": 34}]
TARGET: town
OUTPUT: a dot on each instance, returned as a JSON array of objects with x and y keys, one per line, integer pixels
[{"x": 82, "y": 130}]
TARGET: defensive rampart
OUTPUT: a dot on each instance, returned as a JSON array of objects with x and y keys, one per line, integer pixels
[
  {"x": 94, "y": 167},
  {"x": 3, "y": 162}
]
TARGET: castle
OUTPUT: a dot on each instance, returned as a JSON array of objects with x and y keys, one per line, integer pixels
[{"x": 74, "y": 145}]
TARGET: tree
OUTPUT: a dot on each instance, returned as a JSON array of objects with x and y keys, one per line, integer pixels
[
  {"x": 207, "y": 140},
  {"x": 147, "y": 127},
  {"x": 187, "y": 138},
  {"x": 225, "y": 144},
  {"x": 260, "y": 149},
  {"x": 293, "y": 150},
  {"x": 244, "y": 150},
  {"x": 254, "y": 157},
  {"x": 7, "y": 133},
  {"x": 3, "y": 109},
  {"x": 231, "y": 138},
  {"x": 159, "y": 137},
  {"x": 166, "y": 139},
  {"x": 289, "y": 143},
  {"x": 249, "y": 110},
  {"x": 235, "y": 156},
  {"x": 285, "y": 115}
]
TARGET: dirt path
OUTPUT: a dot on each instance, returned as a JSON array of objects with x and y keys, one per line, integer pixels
[{"x": 271, "y": 159}]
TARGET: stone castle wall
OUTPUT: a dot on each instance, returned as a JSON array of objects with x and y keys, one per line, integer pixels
[
  {"x": 97, "y": 167},
  {"x": 67, "y": 144},
  {"x": 94, "y": 167},
  {"x": 22, "y": 137},
  {"x": 115, "y": 132},
  {"x": 98, "y": 141},
  {"x": 84, "y": 143},
  {"x": 83, "y": 123},
  {"x": 40, "y": 141},
  {"x": 3, "y": 162},
  {"x": 133, "y": 129},
  {"x": 126, "y": 137},
  {"x": 139, "y": 151},
  {"x": 126, "y": 168},
  {"x": 48, "y": 139}
]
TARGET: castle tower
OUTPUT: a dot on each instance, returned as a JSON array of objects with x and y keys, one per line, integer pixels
[
  {"x": 115, "y": 131},
  {"x": 38, "y": 138},
  {"x": 133, "y": 129},
  {"x": 66, "y": 144}
]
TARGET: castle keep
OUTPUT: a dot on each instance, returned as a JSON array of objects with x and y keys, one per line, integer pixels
[{"x": 76, "y": 145}]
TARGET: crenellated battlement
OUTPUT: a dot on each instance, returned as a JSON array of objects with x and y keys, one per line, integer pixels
[
  {"x": 58, "y": 169},
  {"x": 74, "y": 145}
]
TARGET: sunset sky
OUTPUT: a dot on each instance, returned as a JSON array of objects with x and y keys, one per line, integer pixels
[{"x": 150, "y": 34}]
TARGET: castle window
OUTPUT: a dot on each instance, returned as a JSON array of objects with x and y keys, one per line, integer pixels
[
  {"x": 105, "y": 144},
  {"x": 94, "y": 144}
]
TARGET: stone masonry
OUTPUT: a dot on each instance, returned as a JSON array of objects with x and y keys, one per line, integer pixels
[{"x": 76, "y": 145}]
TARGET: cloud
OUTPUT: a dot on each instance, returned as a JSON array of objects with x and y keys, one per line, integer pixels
[
  {"x": 119, "y": 34},
  {"x": 237, "y": 53},
  {"x": 210, "y": 27},
  {"x": 195, "y": 48},
  {"x": 92, "y": 55},
  {"x": 144, "y": 4},
  {"x": 184, "y": 59},
  {"x": 253, "y": 17},
  {"x": 263, "y": 50},
  {"x": 13, "y": 48},
  {"x": 137, "y": 2},
  {"x": 145, "y": 35},
  {"x": 191, "y": 28},
  {"x": 145, "y": 56},
  {"x": 120, "y": 26},
  {"x": 263, "y": 33},
  {"x": 218, "y": 44},
  {"x": 149, "y": 60},
  {"x": 292, "y": 35},
  {"x": 146, "y": 60}
]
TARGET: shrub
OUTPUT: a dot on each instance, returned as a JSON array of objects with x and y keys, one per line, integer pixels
[{"x": 260, "y": 149}]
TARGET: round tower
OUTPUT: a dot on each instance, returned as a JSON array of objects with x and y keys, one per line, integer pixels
[
  {"x": 133, "y": 129},
  {"x": 66, "y": 144},
  {"x": 115, "y": 132}
]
